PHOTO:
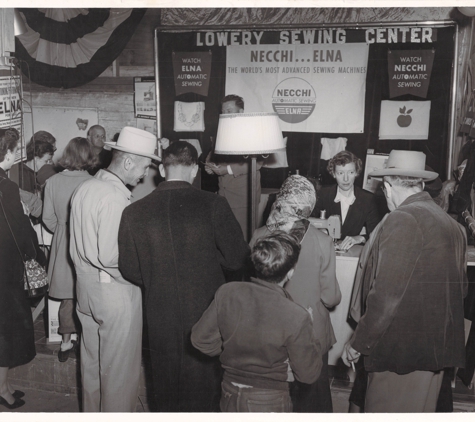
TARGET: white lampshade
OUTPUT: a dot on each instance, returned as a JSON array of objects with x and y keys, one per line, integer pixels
[
  {"x": 248, "y": 133},
  {"x": 467, "y": 11},
  {"x": 19, "y": 26}
]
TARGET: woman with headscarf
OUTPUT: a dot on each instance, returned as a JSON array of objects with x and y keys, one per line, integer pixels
[
  {"x": 313, "y": 285},
  {"x": 18, "y": 242}
]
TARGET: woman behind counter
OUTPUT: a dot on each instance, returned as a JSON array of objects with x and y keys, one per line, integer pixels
[
  {"x": 313, "y": 285},
  {"x": 17, "y": 341},
  {"x": 356, "y": 207},
  {"x": 78, "y": 157}
]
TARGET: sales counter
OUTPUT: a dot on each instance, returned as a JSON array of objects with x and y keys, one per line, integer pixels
[
  {"x": 346, "y": 264},
  {"x": 471, "y": 256}
]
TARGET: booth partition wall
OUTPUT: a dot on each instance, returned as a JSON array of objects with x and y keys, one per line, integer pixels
[{"x": 380, "y": 87}]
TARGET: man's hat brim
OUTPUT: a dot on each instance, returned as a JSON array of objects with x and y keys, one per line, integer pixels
[
  {"x": 424, "y": 174},
  {"x": 131, "y": 151}
]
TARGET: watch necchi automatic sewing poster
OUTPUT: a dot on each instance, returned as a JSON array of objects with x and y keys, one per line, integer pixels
[{"x": 313, "y": 88}]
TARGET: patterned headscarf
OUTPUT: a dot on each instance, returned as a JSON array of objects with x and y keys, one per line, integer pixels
[{"x": 295, "y": 202}]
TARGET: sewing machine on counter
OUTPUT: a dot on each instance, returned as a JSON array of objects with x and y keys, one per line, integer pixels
[{"x": 331, "y": 224}]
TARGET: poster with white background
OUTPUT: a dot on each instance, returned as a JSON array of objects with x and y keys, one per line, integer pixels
[
  {"x": 312, "y": 87},
  {"x": 404, "y": 120}
]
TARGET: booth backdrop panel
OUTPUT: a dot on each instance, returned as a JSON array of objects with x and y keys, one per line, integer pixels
[{"x": 303, "y": 149}]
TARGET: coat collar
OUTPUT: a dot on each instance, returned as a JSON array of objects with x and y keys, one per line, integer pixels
[
  {"x": 110, "y": 177},
  {"x": 272, "y": 286},
  {"x": 174, "y": 184},
  {"x": 74, "y": 173},
  {"x": 420, "y": 196}
]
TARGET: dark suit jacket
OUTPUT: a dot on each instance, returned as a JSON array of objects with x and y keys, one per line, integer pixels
[
  {"x": 363, "y": 212},
  {"x": 175, "y": 243},
  {"x": 414, "y": 285}
]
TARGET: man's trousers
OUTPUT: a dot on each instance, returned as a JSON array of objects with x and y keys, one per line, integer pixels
[
  {"x": 111, "y": 344},
  {"x": 414, "y": 392}
]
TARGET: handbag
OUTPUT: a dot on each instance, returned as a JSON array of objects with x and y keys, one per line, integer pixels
[{"x": 35, "y": 279}]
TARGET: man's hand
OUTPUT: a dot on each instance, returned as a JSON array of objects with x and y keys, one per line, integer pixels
[
  {"x": 208, "y": 168},
  {"x": 216, "y": 169},
  {"x": 350, "y": 355}
]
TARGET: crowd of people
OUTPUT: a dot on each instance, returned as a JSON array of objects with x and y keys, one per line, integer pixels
[{"x": 256, "y": 345}]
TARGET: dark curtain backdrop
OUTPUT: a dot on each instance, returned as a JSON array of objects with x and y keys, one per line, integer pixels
[{"x": 303, "y": 149}]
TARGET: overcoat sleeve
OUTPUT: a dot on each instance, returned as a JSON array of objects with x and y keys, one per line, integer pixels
[
  {"x": 49, "y": 216},
  {"x": 205, "y": 335},
  {"x": 330, "y": 289},
  {"x": 400, "y": 244},
  {"x": 24, "y": 233},
  {"x": 129, "y": 264},
  {"x": 228, "y": 236}
]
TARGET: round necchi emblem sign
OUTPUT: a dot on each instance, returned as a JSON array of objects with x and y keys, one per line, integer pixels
[{"x": 293, "y": 100}]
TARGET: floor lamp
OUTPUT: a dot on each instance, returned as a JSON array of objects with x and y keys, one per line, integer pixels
[{"x": 249, "y": 134}]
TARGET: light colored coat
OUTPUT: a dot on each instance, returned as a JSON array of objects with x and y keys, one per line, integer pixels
[
  {"x": 58, "y": 191},
  {"x": 314, "y": 284}
]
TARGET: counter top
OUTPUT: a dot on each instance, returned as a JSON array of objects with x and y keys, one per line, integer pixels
[
  {"x": 355, "y": 252},
  {"x": 471, "y": 255}
]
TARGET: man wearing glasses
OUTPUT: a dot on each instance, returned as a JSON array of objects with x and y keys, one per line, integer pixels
[{"x": 413, "y": 285}]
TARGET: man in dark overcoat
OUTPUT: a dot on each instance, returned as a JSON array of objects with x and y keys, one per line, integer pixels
[
  {"x": 175, "y": 243},
  {"x": 413, "y": 285}
]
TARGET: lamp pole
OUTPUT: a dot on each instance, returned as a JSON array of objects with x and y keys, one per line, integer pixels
[{"x": 253, "y": 195}]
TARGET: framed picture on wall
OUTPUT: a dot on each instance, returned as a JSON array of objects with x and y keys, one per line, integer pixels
[
  {"x": 373, "y": 162},
  {"x": 145, "y": 103}
]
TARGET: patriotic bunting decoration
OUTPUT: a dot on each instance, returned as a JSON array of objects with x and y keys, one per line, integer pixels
[{"x": 67, "y": 48}]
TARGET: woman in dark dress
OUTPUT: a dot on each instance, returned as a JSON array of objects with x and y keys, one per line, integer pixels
[
  {"x": 17, "y": 346},
  {"x": 356, "y": 207}
]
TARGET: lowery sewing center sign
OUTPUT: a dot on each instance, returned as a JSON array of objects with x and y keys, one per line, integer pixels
[{"x": 312, "y": 87}]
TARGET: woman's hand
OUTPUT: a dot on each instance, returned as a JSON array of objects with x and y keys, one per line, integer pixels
[{"x": 349, "y": 241}]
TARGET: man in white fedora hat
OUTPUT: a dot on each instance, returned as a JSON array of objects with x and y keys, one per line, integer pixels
[
  {"x": 413, "y": 285},
  {"x": 108, "y": 306}
]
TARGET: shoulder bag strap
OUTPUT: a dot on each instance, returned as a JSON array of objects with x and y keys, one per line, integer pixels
[{"x": 8, "y": 223}]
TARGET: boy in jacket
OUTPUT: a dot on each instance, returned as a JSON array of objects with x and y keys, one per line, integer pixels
[{"x": 263, "y": 338}]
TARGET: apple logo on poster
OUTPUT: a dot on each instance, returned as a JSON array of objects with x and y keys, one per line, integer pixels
[
  {"x": 404, "y": 120},
  {"x": 294, "y": 100}
]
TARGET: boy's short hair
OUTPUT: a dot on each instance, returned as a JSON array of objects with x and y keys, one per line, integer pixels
[
  {"x": 274, "y": 256},
  {"x": 179, "y": 153}
]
